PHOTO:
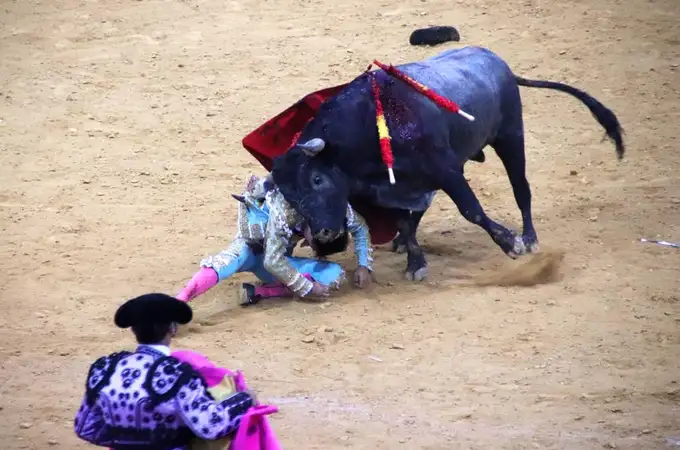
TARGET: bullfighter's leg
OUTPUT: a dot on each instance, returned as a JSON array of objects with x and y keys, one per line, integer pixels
[
  {"x": 217, "y": 268},
  {"x": 510, "y": 150},
  {"x": 325, "y": 272},
  {"x": 251, "y": 293},
  {"x": 399, "y": 243},
  {"x": 450, "y": 176},
  {"x": 416, "y": 266}
]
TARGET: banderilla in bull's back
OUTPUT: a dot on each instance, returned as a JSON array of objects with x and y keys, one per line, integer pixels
[{"x": 383, "y": 130}]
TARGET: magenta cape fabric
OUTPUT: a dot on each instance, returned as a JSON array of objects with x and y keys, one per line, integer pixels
[{"x": 254, "y": 432}]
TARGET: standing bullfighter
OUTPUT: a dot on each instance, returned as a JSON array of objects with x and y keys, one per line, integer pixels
[{"x": 148, "y": 399}]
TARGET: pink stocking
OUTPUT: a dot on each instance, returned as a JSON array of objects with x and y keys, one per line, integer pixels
[
  {"x": 272, "y": 290},
  {"x": 277, "y": 289},
  {"x": 202, "y": 280}
]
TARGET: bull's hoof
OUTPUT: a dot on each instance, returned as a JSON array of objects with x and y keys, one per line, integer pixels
[
  {"x": 523, "y": 245},
  {"x": 518, "y": 248},
  {"x": 530, "y": 242},
  {"x": 532, "y": 248},
  {"x": 418, "y": 275}
]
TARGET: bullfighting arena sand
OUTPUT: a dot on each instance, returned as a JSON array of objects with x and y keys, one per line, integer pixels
[{"x": 120, "y": 129}]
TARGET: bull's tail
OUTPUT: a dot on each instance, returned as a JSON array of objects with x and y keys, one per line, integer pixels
[{"x": 604, "y": 115}]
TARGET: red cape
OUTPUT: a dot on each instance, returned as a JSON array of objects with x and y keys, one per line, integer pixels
[{"x": 277, "y": 135}]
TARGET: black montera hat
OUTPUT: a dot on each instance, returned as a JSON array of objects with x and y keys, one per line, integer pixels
[{"x": 152, "y": 309}]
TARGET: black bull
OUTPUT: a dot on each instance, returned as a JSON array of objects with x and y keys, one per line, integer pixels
[{"x": 337, "y": 154}]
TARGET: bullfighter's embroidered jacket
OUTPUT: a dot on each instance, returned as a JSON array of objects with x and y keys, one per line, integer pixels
[
  {"x": 147, "y": 399},
  {"x": 267, "y": 220}
]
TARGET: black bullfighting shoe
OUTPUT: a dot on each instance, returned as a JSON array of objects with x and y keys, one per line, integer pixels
[{"x": 248, "y": 296}]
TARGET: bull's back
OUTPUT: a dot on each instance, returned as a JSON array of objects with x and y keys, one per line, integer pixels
[
  {"x": 464, "y": 74},
  {"x": 477, "y": 79}
]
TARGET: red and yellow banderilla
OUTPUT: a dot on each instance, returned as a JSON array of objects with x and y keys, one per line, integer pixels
[{"x": 383, "y": 131}]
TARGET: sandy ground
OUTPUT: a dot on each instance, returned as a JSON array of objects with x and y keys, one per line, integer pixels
[{"x": 120, "y": 138}]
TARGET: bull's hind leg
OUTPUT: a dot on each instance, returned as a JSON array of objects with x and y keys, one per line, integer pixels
[
  {"x": 449, "y": 175},
  {"x": 510, "y": 150},
  {"x": 399, "y": 243},
  {"x": 416, "y": 266}
]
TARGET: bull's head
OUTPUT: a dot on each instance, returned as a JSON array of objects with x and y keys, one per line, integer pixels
[{"x": 312, "y": 183}]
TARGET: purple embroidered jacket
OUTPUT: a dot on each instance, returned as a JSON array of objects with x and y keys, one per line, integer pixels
[{"x": 146, "y": 400}]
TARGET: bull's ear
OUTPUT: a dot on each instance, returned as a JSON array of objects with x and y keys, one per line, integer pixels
[
  {"x": 312, "y": 147},
  {"x": 240, "y": 198}
]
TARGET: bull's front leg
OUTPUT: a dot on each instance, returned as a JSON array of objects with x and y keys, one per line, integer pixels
[
  {"x": 416, "y": 266},
  {"x": 399, "y": 244}
]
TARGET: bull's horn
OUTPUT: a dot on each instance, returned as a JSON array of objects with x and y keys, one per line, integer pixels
[{"x": 312, "y": 147}]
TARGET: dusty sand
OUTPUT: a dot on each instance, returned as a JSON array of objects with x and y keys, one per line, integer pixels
[{"x": 120, "y": 144}]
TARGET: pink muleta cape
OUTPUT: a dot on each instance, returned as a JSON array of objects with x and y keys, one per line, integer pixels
[{"x": 254, "y": 432}]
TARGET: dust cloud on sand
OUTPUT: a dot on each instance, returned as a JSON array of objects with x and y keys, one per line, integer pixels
[{"x": 540, "y": 268}]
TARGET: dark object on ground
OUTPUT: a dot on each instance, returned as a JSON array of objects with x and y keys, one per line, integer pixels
[
  {"x": 248, "y": 295},
  {"x": 434, "y": 36}
]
